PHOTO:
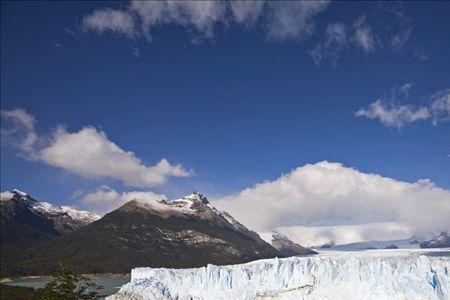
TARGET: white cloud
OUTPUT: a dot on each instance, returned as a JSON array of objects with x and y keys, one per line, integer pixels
[
  {"x": 142, "y": 17},
  {"x": 401, "y": 28},
  {"x": 89, "y": 153},
  {"x": 104, "y": 199},
  {"x": 291, "y": 20},
  {"x": 18, "y": 129},
  {"x": 284, "y": 20},
  {"x": 336, "y": 38},
  {"x": 440, "y": 106},
  {"x": 107, "y": 19},
  {"x": 364, "y": 37},
  {"x": 247, "y": 12},
  {"x": 392, "y": 114},
  {"x": 345, "y": 234},
  {"x": 336, "y": 33},
  {"x": 400, "y": 38},
  {"x": 325, "y": 194}
]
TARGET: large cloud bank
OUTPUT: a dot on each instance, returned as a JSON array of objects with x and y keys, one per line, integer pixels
[{"x": 316, "y": 196}]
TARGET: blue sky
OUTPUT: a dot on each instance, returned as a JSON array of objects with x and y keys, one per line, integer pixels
[{"x": 234, "y": 102}]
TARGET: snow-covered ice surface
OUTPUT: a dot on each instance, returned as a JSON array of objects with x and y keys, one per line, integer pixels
[{"x": 405, "y": 274}]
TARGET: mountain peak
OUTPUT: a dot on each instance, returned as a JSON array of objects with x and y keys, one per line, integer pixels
[
  {"x": 17, "y": 195},
  {"x": 195, "y": 197},
  {"x": 283, "y": 244},
  {"x": 65, "y": 218},
  {"x": 19, "y": 192}
]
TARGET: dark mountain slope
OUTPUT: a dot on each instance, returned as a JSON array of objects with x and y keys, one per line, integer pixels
[
  {"x": 187, "y": 232},
  {"x": 26, "y": 222},
  {"x": 284, "y": 245}
]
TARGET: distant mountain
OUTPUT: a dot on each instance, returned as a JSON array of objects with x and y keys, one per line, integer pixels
[
  {"x": 26, "y": 222},
  {"x": 284, "y": 245},
  {"x": 439, "y": 241},
  {"x": 421, "y": 239},
  {"x": 186, "y": 232},
  {"x": 66, "y": 219}
]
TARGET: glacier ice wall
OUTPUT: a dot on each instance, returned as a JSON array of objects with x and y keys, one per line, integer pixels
[{"x": 382, "y": 274}]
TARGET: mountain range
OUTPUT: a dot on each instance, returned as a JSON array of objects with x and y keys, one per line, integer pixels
[
  {"x": 421, "y": 239},
  {"x": 37, "y": 237}
]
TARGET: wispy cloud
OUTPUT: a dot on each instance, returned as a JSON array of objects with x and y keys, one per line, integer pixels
[
  {"x": 107, "y": 19},
  {"x": 369, "y": 34},
  {"x": 247, "y": 12},
  {"x": 336, "y": 40},
  {"x": 282, "y": 20},
  {"x": 88, "y": 153},
  {"x": 291, "y": 20},
  {"x": 326, "y": 194},
  {"x": 364, "y": 36},
  {"x": 18, "y": 129},
  {"x": 391, "y": 113}
]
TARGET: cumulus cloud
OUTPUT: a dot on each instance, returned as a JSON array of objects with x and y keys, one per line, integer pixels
[
  {"x": 88, "y": 153},
  {"x": 363, "y": 36},
  {"x": 391, "y": 113},
  {"x": 326, "y": 193},
  {"x": 284, "y": 20},
  {"x": 105, "y": 199},
  {"x": 18, "y": 129}
]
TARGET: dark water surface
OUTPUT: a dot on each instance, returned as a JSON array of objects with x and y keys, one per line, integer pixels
[{"x": 110, "y": 285}]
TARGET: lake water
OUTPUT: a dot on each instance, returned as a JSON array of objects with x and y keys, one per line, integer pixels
[{"x": 110, "y": 285}]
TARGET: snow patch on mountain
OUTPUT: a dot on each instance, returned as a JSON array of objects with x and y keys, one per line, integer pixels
[
  {"x": 283, "y": 244},
  {"x": 65, "y": 215},
  {"x": 195, "y": 205},
  {"x": 18, "y": 195},
  {"x": 375, "y": 274},
  {"x": 49, "y": 210}
]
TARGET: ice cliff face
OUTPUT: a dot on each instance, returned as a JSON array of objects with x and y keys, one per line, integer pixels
[{"x": 376, "y": 274}]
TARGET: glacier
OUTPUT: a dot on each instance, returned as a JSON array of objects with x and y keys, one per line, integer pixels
[{"x": 374, "y": 274}]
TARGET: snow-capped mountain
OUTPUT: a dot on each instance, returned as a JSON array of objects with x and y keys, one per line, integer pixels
[
  {"x": 421, "y": 239},
  {"x": 196, "y": 206},
  {"x": 26, "y": 223},
  {"x": 65, "y": 218},
  {"x": 376, "y": 274},
  {"x": 283, "y": 244},
  {"x": 180, "y": 233},
  {"x": 440, "y": 240}
]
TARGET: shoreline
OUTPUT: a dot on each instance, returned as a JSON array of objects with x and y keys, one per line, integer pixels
[{"x": 7, "y": 280}]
